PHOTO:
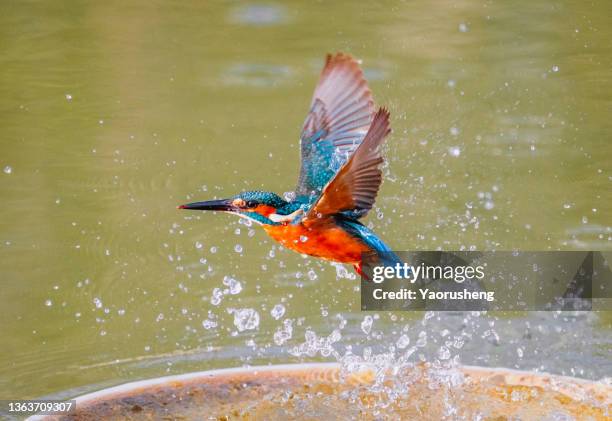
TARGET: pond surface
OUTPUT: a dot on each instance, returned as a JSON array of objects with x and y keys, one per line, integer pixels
[{"x": 112, "y": 114}]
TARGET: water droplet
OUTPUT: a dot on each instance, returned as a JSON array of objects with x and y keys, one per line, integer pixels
[
  {"x": 555, "y": 68},
  {"x": 246, "y": 319},
  {"x": 342, "y": 272},
  {"x": 463, "y": 27},
  {"x": 68, "y": 97},
  {"x": 454, "y": 151},
  {"x": 454, "y": 131},
  {"x": 213, "y": 249},
  {"x": 216, "y": 297},
  {"x": 48, "y": 303},
  {"x": 208, "y": 324},
  {"x": 198, "y": 245},
  {"x": 283, "y": 334},
  {"x": 519, "y": 352},
  {"x": 8, "y": 169},
  {"x": 422, "y": 341},
  {"x": 238, "y": 248},
  {"x": 403, "y": 341},
  {"x": 366, "y": 324},
  {"x": 459, "y": 342},
  {"x": 278, "y": 311},
  {"x": 303, "y": 238},
  {"x": 444, "y": 353},
  {"x": 97, "y": 302},
  {"x": 234, "y": 285},
  {"x": 489, "y": 205}
]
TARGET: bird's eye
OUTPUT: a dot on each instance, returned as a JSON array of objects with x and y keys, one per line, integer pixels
[{"x": 251, "y": 204}]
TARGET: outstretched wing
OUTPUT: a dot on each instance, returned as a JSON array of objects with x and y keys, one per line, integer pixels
[
  {"x": 340, "y": 114},
  {"x": 356, "y": 185}
]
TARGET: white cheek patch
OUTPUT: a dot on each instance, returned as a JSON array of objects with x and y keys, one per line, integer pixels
[{"x": 274, "y": 217}]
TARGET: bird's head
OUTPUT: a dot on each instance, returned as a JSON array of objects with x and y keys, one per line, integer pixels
[{"x": 265, "y": 208}]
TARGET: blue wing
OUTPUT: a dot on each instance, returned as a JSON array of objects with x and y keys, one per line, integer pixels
[
  {"x": 355, "y": 185},
  {"x": 340, "y": 115}
]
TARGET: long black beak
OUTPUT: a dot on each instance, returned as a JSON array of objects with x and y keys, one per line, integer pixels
[{"x": 223, "y": 205}]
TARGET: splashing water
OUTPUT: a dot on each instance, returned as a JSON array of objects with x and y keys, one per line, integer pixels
[{"x": 245, "y": 318}]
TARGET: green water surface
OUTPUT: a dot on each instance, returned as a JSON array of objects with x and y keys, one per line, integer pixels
[{"x": 113, "y": 113}]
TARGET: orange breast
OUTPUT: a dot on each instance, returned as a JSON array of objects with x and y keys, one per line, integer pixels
[{"x": 327, "y": 241}]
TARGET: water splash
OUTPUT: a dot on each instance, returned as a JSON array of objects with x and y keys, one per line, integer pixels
[{"x": 245, "y": 318}]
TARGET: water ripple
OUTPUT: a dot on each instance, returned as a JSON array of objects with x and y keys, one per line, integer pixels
[
  {"x": 259, "y": 15},
  {"x": 256, "y": 74}
]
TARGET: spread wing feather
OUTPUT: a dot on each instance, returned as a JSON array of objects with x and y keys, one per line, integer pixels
[
  {"x": 355, "y": 186},
  {"x": 340, "y": 114}
]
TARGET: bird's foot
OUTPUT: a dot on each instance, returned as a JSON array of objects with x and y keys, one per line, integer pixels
[{"x": 357, "y": 267}]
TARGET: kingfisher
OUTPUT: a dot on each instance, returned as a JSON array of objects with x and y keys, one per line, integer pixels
[{"x": 339, "y": 178}]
